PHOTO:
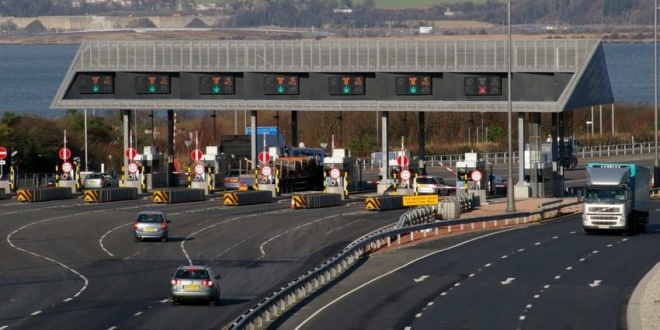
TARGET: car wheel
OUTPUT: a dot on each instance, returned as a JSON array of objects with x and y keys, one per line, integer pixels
[{"x": 164, "y": 238}]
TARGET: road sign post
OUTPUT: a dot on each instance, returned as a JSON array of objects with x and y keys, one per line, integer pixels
[
  {"x": 65, "y": 154},
  {"x": 264, "y": 157},
  {"x": 196, "y": 155}
]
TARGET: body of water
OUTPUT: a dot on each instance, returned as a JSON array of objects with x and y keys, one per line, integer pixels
[{"x": 30, "y": 75}]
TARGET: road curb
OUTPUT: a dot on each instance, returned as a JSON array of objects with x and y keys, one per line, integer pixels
[{"x": 633, "y": 312}]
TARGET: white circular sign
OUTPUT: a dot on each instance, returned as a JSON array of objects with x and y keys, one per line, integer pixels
[
  {"x": 266, "y": 171},
  {"x": 476, "y": 175},
  {"x": 67, "y": 167},
  {"x": 405, "y": 175},
  {"x": 199, "y": 169},
  {"x": 335, "y": 173},
  {"x": 133, "y": 168}
]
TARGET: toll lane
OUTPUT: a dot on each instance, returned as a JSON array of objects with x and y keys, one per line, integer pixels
[
  {"x": 547, "y": 276},
  {"x": 91, "y": 273}
]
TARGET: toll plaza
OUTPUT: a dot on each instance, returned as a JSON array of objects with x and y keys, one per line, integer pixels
[
  {"x": 341, "y": 172},
  {"x": 471, "y": 176},
  {"x": 547, "y": 76},
  {"x": 149, "y": 170}
]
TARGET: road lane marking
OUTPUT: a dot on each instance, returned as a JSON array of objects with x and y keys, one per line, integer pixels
[
  {"x": 508, "y": 281},
  {"x": 421, "y": 278},
  {"x": 322, "y": 308}
]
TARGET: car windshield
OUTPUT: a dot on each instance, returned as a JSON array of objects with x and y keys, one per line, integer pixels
[
  {"x": 94, "y": 176},
  {"x": 427, "y": 181},
  {"x": 605, "y": 195},
  {"x": 234, "y": 173},
  {"x": 150, "y": 218},
  {"x": 192, "y": 274}
]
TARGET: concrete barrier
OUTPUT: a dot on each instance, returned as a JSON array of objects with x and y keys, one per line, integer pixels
[
  {"x": 315, "y": 201},
  {"x": 178, "y": 195},
  {"x": 383, "y": 203},
  {"x": 43, "y": 194},
  {"x": 247, "y": 197},
  {"x": 110, "y": 194}
]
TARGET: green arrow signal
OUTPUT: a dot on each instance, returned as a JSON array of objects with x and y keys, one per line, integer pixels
[
  {"x": 95, "y": 88},
  {"x": 413, "y": 90},
  {"x": 216, "y": 89},
  {"x": 152, "y": 88},
  {"x": 280, "y": 89},
  {"x": 347, "y": 89}
]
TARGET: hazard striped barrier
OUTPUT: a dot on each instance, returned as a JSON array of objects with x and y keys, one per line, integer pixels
[
  {"x": 315, "y": 201},
  {"x": 91, "y": 196},
  {"x": 110, "y": 194},
  {"x": 179, "y": 195},
  {"x": 384, "y": 203},
  {"x": 43, "y": 194},
  {"x": 247, "y": 197}
]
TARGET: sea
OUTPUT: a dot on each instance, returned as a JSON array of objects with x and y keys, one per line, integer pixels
[{"x": 30, "y": 75}]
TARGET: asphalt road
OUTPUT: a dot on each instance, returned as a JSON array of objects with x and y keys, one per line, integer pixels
[
  {"x": 72, "y": 264},
  {"x": 549, "y": 276}
]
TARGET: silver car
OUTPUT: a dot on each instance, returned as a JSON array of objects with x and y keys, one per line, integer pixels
[
  {"x": 431, "y": 185},
  {"x": 151, "y": 225},
  {"x": 100, "y": 180},
  {"x": 195, "y": 283}
]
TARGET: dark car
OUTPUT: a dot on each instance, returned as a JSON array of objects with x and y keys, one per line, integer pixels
[
  {"x": 194, "y": 283},
  {"x": 52, "y": 182},
  {"x": 497, "y": 185},
  {"x": 151, "y": 225}
]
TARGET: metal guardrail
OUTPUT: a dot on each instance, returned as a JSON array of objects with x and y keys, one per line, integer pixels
[{"x": 268, "y": 308}]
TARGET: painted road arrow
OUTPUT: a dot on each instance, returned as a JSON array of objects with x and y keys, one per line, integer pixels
[
  {"x": 508, "y": 281},
  {"x": 595, "y": 283},
  {"x": 421, "y": 278}
]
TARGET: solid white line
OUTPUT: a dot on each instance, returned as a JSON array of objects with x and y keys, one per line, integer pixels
[
  {"x": 4, "y": 327},
  {"x": 317, "y": 312},
  {"x": 36, "y": 313},
  {"x": 108, "y": 233}
]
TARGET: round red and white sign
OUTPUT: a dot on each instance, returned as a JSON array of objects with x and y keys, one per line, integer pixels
[
  {"x": 67, "y": 167},
  {"x": 405, "y": 175},
  {"x": 266, "y": 171},
  {"x": 64, "y": 153},
  {"x": 3, "y": 152},
  {"x": 130, "y": 153},
  {"x": 133, "y": 168},
  {"x": 476, "y": 175},
  {"x": 402, "y": 160},
  {"x": 264, "y": 157},
  {"x": 335, "y": 173},
  {"x": 199, "y": 169},
  {"x": 196, "y": 155}
]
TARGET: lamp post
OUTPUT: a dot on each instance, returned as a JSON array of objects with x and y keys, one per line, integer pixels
[
  {"x": 656, "y": 170},
  {"x": 277, "y": 131},
  {"x": 589, "y": 122},
  {"x": 510, "y": 204},
  {"x": 152, "y": 127},
  {"x": 215, "y": 141}
]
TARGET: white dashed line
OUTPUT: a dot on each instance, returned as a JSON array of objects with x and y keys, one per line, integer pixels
[
  {"x": 36, "y": 313},
  {"x": 137, "y": 314}
]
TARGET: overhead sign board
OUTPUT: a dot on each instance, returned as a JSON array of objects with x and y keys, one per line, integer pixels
[
  {"x": 216, "y": 85},
  {"x": 280, "y": 85},
  {"x": 346, "y": 85},
  {"x": 263, "y": 130},
  {"x": 483, "y": 86},
  {"x": 96, "y": 83},
  {"x": 413, "y": 85},
  {"x": 420, "y": 200},
  {"x": 152, "y": 84}
]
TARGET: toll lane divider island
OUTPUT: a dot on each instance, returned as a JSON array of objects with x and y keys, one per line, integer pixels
[
  {"x": 109, "y": 194},
  {"x": 178, "y": 195},
  {"x": 261, "y": 315},
  {"x": 43, "y": 194}
]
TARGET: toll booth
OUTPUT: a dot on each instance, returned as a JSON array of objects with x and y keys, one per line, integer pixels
[
  {"x": 151, "y": 172},
  {"x": 341, "y": 172},
  {"x": 216, "y": 166},
  {"x": 471, "y": 175},
  {"x": 539, "y": 173},
  {"x": 268, "y": 177}
]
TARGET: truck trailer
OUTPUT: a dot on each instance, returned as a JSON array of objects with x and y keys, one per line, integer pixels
[{"x": 616, "y": 198}]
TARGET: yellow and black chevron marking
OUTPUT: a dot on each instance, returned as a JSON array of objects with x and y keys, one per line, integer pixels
[
  {"x": 24, "y": 195},
  {"x": 372, "y": 204},
  {"x": 230, "y": 199},
  {"x": 91, "y": 196},
  {"x": 161, "y": 196},
  {"x": 300, "y": 201}
]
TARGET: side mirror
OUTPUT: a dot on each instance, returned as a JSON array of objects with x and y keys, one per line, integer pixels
[
  {"x": 218, "y": 277},
  {"x": 168, "y": 220}
]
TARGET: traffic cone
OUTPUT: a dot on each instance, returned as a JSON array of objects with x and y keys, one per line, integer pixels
[{"x": 293, "y": 204}]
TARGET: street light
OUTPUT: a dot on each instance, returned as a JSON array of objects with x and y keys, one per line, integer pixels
[
  {"x": 589, "y": 122},
  {"x": 656, "y": 170},
  {"x": 187, "y": 143},
  {"x": 215, "y": 141},
  {"x": 510, "y": 204}
]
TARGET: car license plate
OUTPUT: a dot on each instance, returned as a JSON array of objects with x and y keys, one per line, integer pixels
[
  {"x": 603, "y": 227},
  {"x": 191, "y": 287},
  {"x": 150, "y": 229}
]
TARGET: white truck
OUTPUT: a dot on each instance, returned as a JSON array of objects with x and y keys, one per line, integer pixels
[{"x": 616, "y": 198}]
